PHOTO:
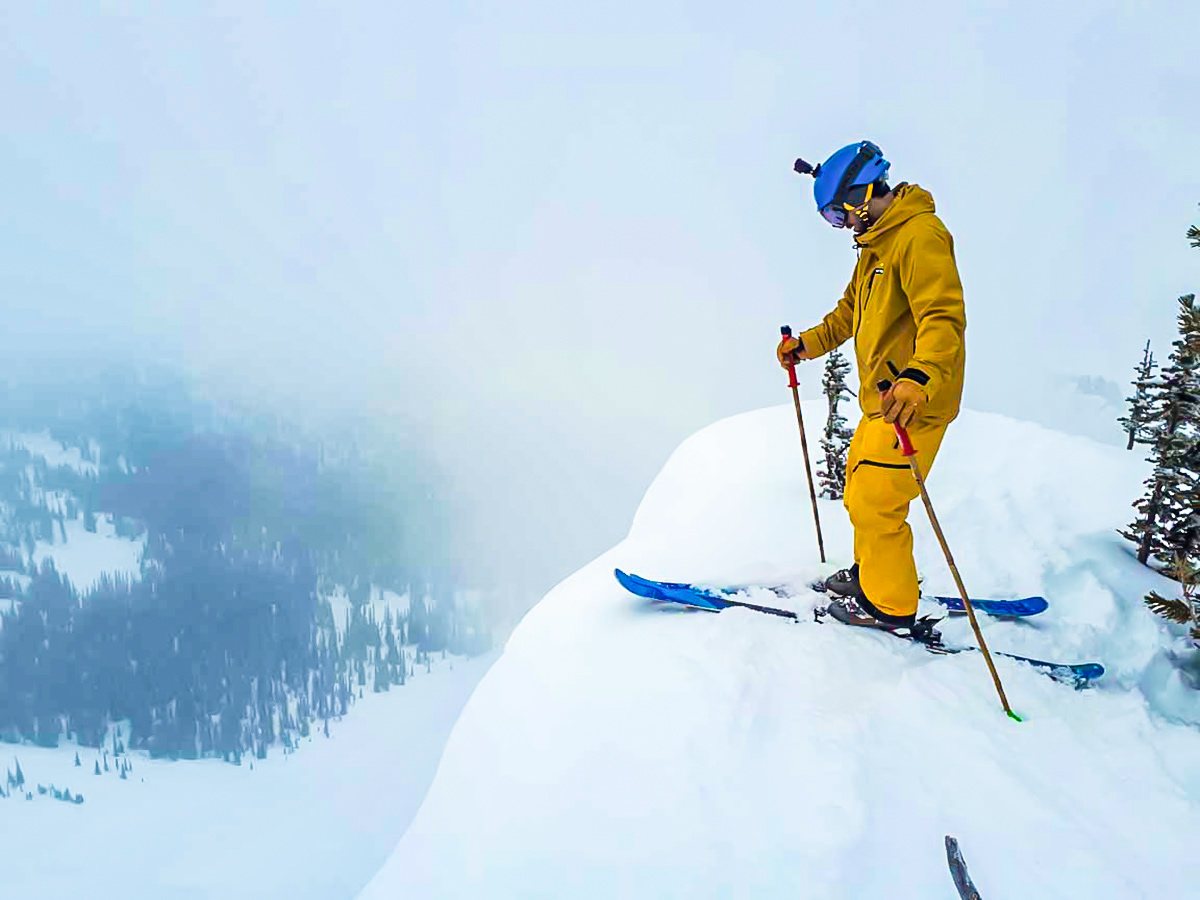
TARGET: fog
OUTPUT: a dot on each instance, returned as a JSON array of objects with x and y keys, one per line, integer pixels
[{"x": 559, "y": 238}]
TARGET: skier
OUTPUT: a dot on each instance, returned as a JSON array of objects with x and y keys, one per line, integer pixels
[{"x": 904, "y": 310}]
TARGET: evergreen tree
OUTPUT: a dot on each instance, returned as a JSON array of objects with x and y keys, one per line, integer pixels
[
  {"x": 78, "y": 764},
  {"x": 836, "y": 440},
  {"x": 1136, "y": 424},
  {"x": 97, "y": 772},
  {"x": 89, "y": 514},
  {"x": 1186, "y": 609},
  {"x": 1168, "y": 524},
  {"x": 19, "y": 778}
]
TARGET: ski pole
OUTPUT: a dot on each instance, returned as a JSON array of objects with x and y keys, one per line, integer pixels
[
  {"x": 786, "y": 331},
  {"x": 910, "y": 454}
]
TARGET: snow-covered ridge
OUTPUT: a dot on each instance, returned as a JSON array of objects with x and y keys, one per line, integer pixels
[{"x": 623, "y": 748}]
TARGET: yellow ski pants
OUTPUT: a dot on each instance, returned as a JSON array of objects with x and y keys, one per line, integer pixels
[{"x": 879, "y": 488}]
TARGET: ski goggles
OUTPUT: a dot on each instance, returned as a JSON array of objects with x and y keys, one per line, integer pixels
[
  {"x": 834, "y": 215},
  {"x": 856, "y": 198}
]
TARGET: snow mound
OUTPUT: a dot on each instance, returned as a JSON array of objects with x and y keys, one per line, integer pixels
[{"x": 625, "y": 748}]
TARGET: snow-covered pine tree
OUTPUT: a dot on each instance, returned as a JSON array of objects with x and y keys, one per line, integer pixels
[
  {"x": 1139, "y": 406},
  {"x": 1182, "y": 521},
  {"x": 1186, "y": 609},
  {"x": 836, "y": 440},
  {"x": 1168, "y": 522}
]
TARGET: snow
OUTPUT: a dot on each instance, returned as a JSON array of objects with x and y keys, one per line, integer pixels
[
  {"x": 313, "y": 824},
  {"x": 621, "y": 747},
  {"x": 317, "y": 823},
  {"x": 88, "y": 555},
  {"x": 382, "y": 601},
  {"x": 84, "y": 556},
  {"x": 55, "y": 455}
]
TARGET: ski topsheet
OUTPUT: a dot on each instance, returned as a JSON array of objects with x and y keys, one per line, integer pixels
[
  {"x": 692, "y": 595},
  {"x": 719, "y": 598},
  {"x": 1026, "y": 606},
  {"x": 715, "y": 600}
]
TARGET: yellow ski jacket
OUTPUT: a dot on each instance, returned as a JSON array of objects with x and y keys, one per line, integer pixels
[{"x": 903, "y": 306}]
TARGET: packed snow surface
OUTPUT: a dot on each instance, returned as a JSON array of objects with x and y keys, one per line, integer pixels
[{"x": 625, "y": 748}]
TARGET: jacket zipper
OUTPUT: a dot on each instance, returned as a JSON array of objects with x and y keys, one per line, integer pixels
[{"x": 862, "y": 310}]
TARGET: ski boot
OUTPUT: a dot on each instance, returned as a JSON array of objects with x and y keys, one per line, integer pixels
[
  {"x": 844, "y": 583},
  {"x": 857, "y": 610}
]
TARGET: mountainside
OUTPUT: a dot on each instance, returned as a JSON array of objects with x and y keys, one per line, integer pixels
[
  {"x": 196, "y": 580},
  {"x": 621, "y": 747}
]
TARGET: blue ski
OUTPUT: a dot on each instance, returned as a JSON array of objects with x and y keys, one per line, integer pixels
[
  {"x": 719, "y": 598},
  {"x": 1027, "y": 606},
  {"x": 691, "y": 595},
  {"x": 715, "y": 600}
]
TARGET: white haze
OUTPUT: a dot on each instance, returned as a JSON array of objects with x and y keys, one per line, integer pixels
[{"x": 560, "y": 238}]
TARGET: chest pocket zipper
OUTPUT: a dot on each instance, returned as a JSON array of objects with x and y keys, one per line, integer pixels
[{"x": 862, "y": 310}]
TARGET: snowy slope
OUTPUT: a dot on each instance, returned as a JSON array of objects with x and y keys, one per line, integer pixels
[
  {"x": 42, "y": 445},
  {"x": 313, "y": 824},
  {"x": 624, "y": 748},
  {"x": 84, "y": 556}
]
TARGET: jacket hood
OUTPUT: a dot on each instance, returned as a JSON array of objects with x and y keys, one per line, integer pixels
[{"x": 910, "y": 200}]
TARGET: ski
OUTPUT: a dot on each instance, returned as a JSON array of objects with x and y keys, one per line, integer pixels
[
  {"x": 1026, "y": 606},
  {"x": 719, "y": 598},
  {"x": 714, "y": 600},
  {"x": 692, "y": 595},
  {"x": 958, "y": 870},
  {"x": 1077, "y": 674}
]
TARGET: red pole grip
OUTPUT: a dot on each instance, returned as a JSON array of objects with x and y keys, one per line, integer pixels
[
  {"x": 786, "y": 331},
  {"x": 906, "y": 446}
]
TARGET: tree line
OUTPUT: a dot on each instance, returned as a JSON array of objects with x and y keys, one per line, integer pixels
[{"x": 226, "y": 642}]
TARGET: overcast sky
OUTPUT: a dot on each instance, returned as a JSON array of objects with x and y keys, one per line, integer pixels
[{"x": 561, "y": 236}]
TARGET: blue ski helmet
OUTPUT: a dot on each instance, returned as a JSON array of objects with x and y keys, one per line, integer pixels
[{"x": 852, "y": 166}]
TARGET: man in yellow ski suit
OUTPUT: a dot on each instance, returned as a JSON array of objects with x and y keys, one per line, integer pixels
[{"x": 904, "y": 311}]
